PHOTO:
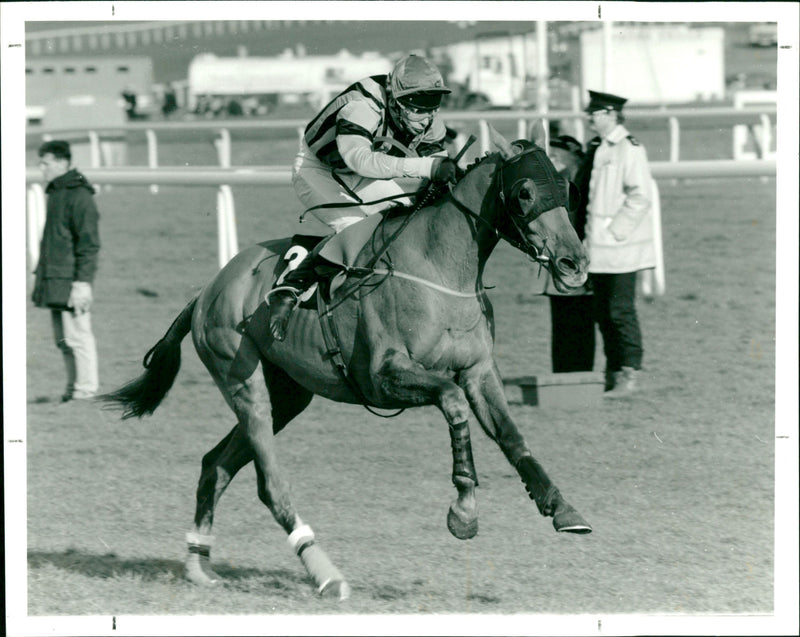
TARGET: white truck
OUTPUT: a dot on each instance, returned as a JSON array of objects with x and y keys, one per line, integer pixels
[
  {"x": 287, "y": 77},
  {"x": 489, "y": 72}
]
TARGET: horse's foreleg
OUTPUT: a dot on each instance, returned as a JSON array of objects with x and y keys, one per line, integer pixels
[
  {"x": 220, "y": 465},
  {"x": 462, "y": 517},
  {"x": 402, "y": 378},
  {"x": 484, "y": 390}
]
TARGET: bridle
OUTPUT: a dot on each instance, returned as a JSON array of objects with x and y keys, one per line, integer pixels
[{"x": 506, "y": 196}]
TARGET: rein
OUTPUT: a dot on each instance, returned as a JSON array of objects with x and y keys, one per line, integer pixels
[
  {"x": 523, "y": 245},
  {"x": 434, "y": 191},
  {"x": 327, "y": 206},
  {"x": 330, "y": 333},
  {"x": 431, "y": 192},
  {"x": 390, "y": 141}
]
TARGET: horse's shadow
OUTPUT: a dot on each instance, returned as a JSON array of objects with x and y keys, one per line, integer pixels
[{"x": 111, "y": 565}]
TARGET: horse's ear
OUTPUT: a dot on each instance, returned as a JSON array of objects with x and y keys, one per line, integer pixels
[
  {"x": 536, "y": 133},
  {"x": 573, "y": 196},
  {"x": 507, "y": 151}
]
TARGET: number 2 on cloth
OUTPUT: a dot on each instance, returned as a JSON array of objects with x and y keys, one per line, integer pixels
[{"x": 294, "y": 256}]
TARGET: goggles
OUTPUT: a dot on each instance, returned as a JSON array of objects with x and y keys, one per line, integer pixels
[
  {"x": 421, "y": 103},
  {"x": 416, "y": 113}
]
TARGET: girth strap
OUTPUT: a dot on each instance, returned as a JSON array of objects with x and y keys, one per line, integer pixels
[
  {"x": 425, "y": 282},
  {"x": 333, "y": 351}
]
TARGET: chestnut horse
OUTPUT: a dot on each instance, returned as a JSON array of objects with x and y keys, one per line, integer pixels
[{"x": 413, "y": 327}]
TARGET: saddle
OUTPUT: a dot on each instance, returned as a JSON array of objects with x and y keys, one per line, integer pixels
[
  {"x": 339, "y": 252},
  {"x": 300, "y": 247}
]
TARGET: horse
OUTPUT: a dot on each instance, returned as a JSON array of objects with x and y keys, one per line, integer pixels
[{"x": 416, "y": 331}]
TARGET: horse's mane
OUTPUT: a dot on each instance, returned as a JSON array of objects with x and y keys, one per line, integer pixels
[
  {"x": 478, "y": 161},
  {"x": 400, "y": 209}
]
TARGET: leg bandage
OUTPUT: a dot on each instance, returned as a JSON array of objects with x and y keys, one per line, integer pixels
[
  {"x": 301, "y": 538},
  {"x": 463, "y": 464},
  {"x": 200, "y": 544}
]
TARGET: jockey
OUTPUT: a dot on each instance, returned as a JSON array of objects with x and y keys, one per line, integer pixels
[{"x": 378, "y": 138}]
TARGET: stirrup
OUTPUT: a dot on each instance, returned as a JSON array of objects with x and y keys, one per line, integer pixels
[
  {"x": 284, "y": 288},
  {"x": 281, "y": 311}
]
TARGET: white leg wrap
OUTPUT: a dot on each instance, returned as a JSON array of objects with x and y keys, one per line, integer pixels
[
  {"x": 201, "y": 540},
  {"x": 301, "y": 536}
]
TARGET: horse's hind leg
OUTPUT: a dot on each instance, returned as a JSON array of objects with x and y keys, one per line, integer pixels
[
  {"x": 246, "y": 389},
  {"x": 484, "y": 389},
  {"x": 220, "y": 465},
  {"x": 233, "y": 452}
]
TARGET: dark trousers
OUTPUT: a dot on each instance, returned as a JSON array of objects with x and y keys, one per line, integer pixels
[
  {"x": 572, "y": 342},
  {"x": 615, "y": 313}
]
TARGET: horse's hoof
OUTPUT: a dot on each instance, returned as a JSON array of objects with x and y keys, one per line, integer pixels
[
  {"x": 567, "y": 520},
  {"x": 336, "y": 589},
  {"x": 459, "y": 527}
]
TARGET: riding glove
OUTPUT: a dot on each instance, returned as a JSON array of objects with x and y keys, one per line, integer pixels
[{"x": 444, "y": 170}]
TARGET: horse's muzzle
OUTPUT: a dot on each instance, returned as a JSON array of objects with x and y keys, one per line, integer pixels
[{"x": 568, "y": 274}]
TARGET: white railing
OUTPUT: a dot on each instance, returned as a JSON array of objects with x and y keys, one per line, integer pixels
[
  {"x": 222, "y": 179},
  {"x": 761, "y": 132},
  {"x": 654, "y": 282},
  {"x": 281, "y": 175},
  {"x": 227, "y": 240}
]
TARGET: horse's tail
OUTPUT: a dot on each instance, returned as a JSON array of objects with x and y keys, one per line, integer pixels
[{"x": 141, "y": 396}]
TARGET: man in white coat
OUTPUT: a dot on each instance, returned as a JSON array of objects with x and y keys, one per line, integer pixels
[{"x": 619, "y": 237}]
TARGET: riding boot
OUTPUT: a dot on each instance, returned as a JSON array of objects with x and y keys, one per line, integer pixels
[
  {"x": 625, "y": 383},
  {"x": 283, "y": 298}
]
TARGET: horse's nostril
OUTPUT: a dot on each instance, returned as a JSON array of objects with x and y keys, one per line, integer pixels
[{"x": 565, "y": 265}]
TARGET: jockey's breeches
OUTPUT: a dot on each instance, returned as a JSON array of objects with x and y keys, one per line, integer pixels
[{"x": 315, "y": 185}]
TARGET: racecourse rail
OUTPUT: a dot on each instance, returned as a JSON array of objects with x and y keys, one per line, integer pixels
[
  {"x": 742, "y": 117},
  {"x": 653, "y": 283}
]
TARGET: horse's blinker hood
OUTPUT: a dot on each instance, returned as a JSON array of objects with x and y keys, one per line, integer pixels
[{"x": 532, "y": 163}]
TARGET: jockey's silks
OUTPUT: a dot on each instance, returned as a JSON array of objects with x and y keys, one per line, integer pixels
[{"x": 371, "y": 121}]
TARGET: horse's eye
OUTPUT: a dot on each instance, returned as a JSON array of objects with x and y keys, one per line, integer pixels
[{"x": 524, "y": 194}]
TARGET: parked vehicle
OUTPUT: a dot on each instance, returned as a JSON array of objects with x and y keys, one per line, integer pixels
[
  {"x": 286, "y": 78},
  {"x": 764, "y": 34}
]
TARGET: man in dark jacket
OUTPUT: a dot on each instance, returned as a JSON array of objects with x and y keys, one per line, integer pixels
[
  {"x": 573, "y": 338},
  {"x": 67, "y": 265}
]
